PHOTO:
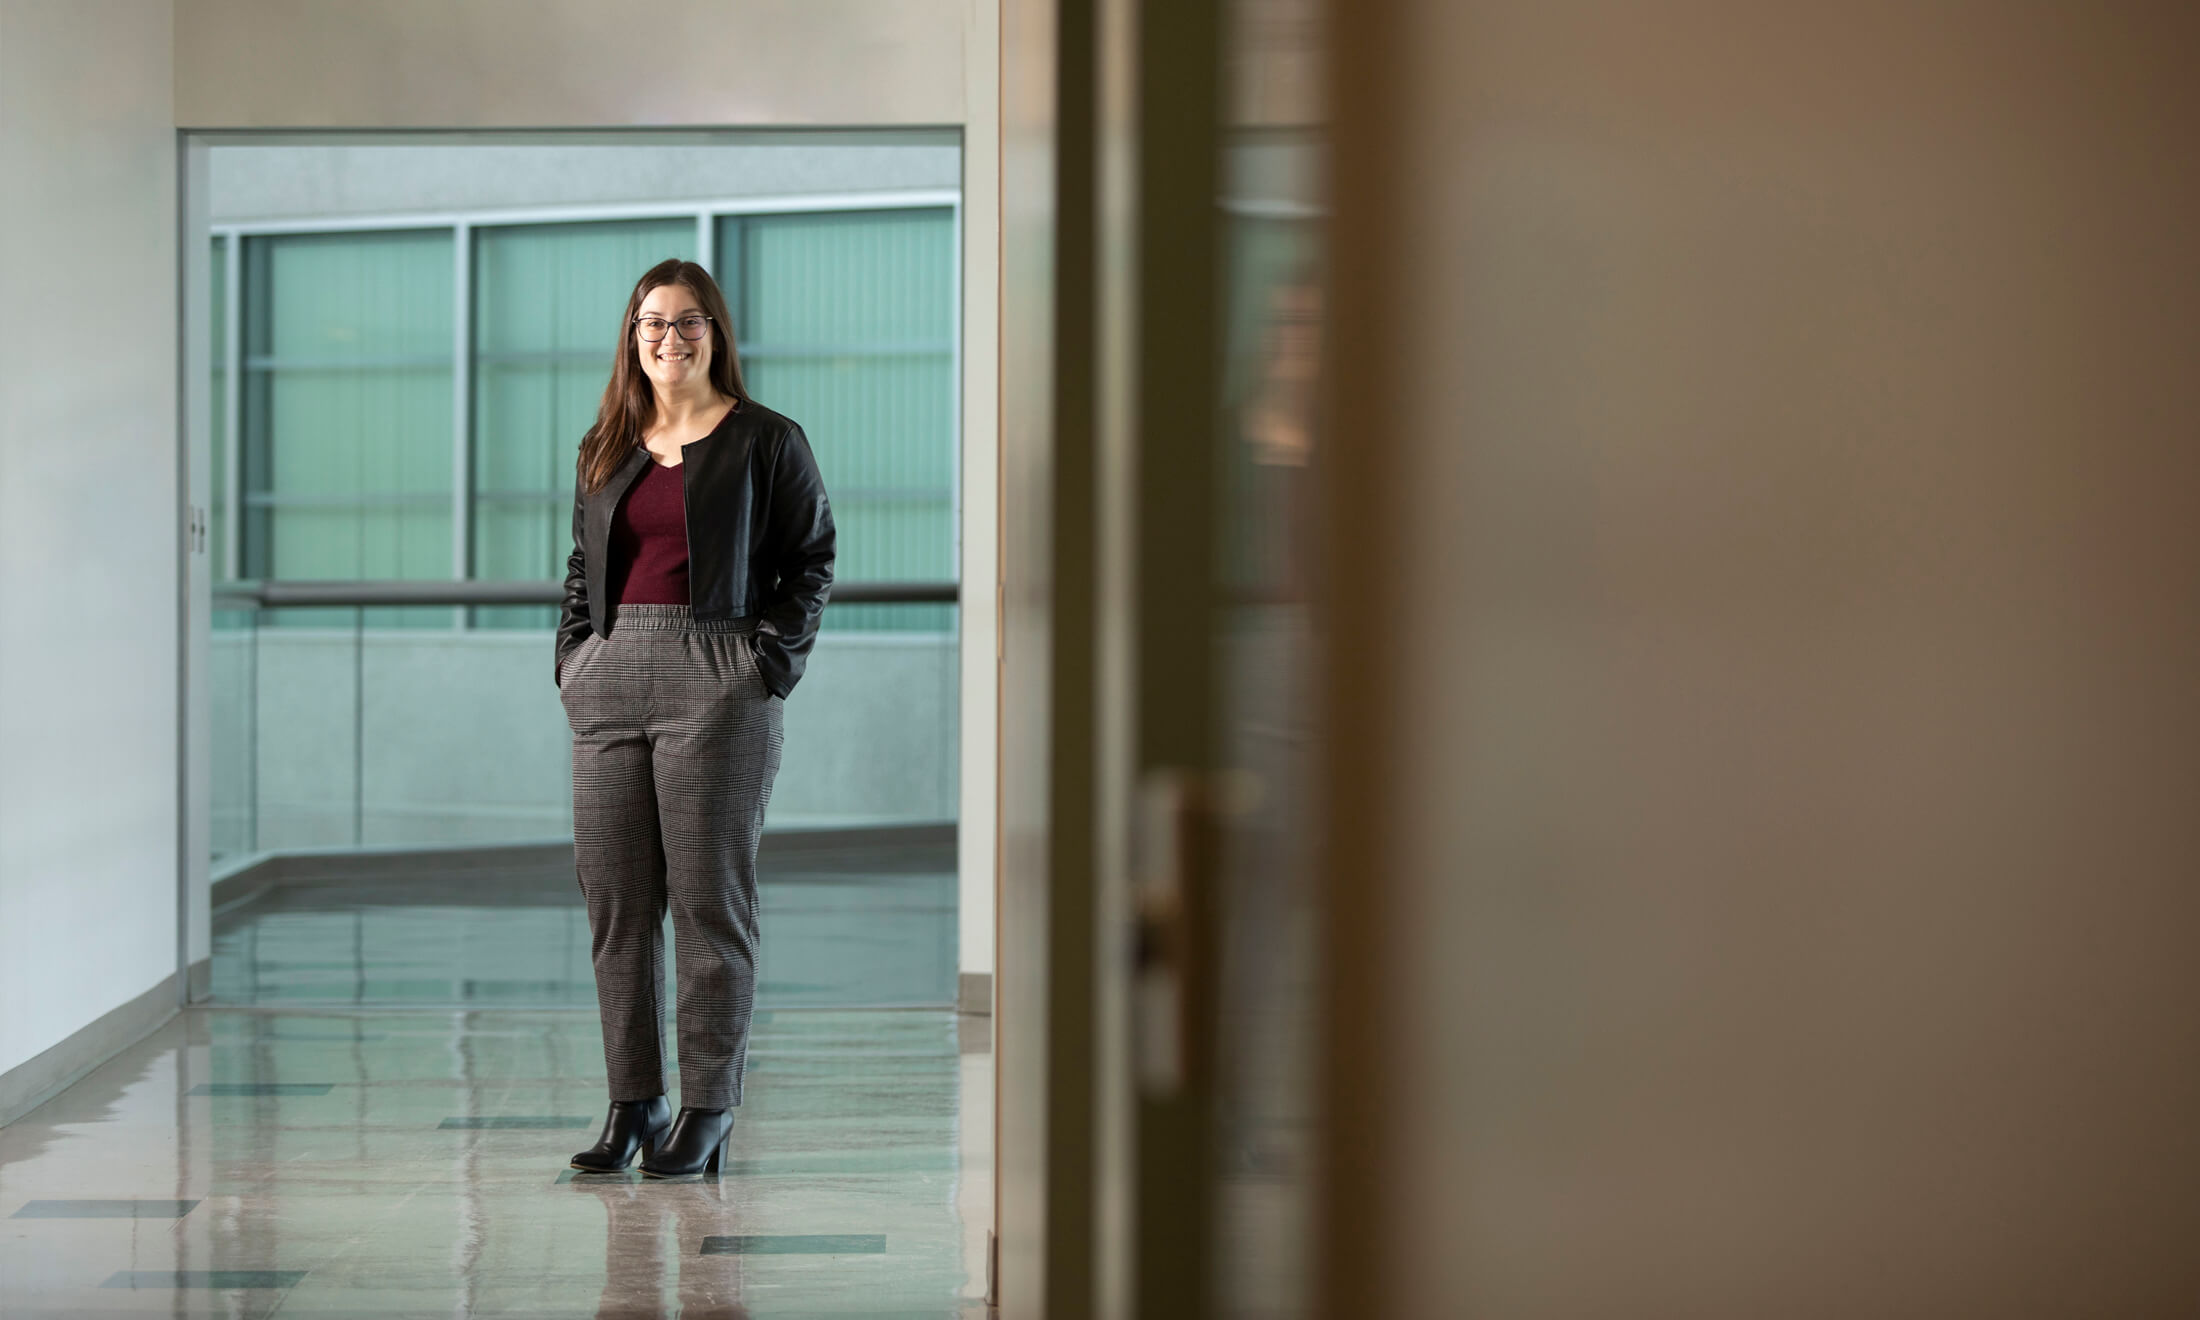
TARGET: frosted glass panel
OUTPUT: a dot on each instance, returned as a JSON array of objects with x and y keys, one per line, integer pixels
[
  {"x": 347, "y": 417},
  {"x": 845, "y": 321},
  {"x": 848, "y": 324},
  {"x": 548, "y": 305}
]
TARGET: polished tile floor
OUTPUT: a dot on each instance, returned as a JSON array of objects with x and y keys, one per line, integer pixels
[{"x": 377, "y": 1119}]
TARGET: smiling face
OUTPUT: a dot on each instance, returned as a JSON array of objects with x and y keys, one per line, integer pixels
[{"x": 673, "y": 363}]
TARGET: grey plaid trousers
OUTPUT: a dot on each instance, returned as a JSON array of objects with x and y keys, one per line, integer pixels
[{"x": 676, "y": 742}]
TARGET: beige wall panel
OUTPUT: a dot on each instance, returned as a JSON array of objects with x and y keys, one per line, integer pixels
[
  {"x": 560, "y": 63},
  {"x": 978, "y": 841},
  {"x": 1786, "y": 716},
  {"x": 1023, "y": 1029}
]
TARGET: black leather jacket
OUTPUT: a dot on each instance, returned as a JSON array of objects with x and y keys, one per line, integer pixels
[{"x": 760, "y": 539}]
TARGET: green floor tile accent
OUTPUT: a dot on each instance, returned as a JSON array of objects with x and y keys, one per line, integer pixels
[
  {"x": 796, "y": 1244},
  {"x": 104, "y": 1210},
  {"x": 168, "y": 1280},
  {"x": 848, "y": 1163},
  {"x": 285, "y": 1038}
]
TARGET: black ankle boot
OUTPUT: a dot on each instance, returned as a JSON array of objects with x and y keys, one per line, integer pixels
[
  {"x": 631, "y": 1125},
  {"x": 697, "y": 1144}
]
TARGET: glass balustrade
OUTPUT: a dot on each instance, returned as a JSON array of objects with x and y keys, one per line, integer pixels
[{"x": 349, "y": 727}]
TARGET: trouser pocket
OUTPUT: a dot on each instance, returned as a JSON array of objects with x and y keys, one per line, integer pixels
[{"x": 571, "y": 660}]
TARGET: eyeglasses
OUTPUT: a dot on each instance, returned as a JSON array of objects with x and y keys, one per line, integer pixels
[{"x": 691, "y": 327}]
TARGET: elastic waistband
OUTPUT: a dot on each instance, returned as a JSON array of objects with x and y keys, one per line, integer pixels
[{"x": 675, "y": 618}]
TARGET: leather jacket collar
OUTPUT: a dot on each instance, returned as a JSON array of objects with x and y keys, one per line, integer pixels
[{"x": 760, "y": 539}]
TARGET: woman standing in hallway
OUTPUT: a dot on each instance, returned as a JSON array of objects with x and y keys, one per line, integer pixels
[{"x": 702, "y": 557}]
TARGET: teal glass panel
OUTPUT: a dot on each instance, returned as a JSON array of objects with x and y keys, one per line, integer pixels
[
  {"x": 548, "y": 304},
  {"x": 847, "y": 325},
  {"x": 233, "y": 703},
  {"x": 347, "y": 410}
]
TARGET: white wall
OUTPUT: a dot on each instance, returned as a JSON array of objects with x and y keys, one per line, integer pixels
[{"x": 89, "y": 527}]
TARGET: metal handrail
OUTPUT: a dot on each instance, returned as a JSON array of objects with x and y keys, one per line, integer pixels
[{"x": 291, "y": 594}]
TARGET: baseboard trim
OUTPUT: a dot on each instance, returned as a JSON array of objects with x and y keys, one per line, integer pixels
[
  {"x": 248, "y": 878},
  {"x": 324, "y": 865},
  {"x": 974, "y": 993},
  {"x": 47, "y": 1074},
  {"x": 201, "y": 981}
]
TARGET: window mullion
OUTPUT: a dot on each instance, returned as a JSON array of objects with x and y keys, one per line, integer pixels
[
  {"x": 955, "y": 396},
  {"x": 462, "y": 333},
  {"x": 232, "y": 397}
]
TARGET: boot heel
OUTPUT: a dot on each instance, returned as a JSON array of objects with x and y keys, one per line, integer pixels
[
  {"x": 626, "y": 1127},
  {"x": 717, "y": 1159}
]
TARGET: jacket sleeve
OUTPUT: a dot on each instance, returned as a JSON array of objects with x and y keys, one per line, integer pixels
[
  {"x": 573, "y": 623},
  {"x": 798, "y": 547}
]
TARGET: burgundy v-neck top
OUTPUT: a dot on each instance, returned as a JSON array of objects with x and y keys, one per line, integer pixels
[{"x": 649, "y": 547}]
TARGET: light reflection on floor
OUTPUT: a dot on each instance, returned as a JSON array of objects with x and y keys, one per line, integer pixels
[{"x": 459, "y": 1051}]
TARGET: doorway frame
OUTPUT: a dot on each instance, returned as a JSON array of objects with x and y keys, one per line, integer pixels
[{"x": 974, "y": 204}]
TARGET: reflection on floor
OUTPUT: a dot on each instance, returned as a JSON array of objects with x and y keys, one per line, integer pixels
[{"x": 380, "y": 1126}]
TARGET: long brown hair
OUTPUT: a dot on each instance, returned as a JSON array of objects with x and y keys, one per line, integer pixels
[{"x": 630, "y": 401}]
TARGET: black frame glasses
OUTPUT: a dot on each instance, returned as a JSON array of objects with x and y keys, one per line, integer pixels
[{"x": 681, "y": 323}]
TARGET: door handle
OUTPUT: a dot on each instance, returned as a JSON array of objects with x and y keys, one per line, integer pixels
[{"x": 1182, "y": 820}]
